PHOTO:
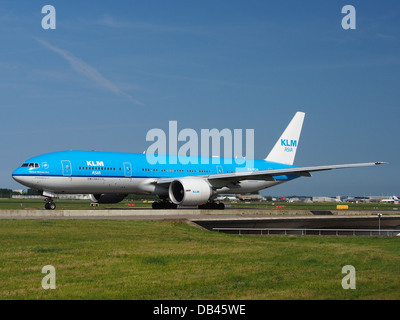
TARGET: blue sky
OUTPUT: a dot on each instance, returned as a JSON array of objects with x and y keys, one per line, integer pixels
[{"x": 113, "y": 70}]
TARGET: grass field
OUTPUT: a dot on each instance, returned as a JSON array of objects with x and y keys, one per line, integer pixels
[
  {"x": 101, "y": 259},
  {"x": 85, "y": 205},
  {"x": 67, "y": 204}
]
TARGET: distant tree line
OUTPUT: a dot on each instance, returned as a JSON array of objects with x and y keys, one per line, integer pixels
[
  {"x": 8, "y": 193},
  {"x": 138, "y": 197}
]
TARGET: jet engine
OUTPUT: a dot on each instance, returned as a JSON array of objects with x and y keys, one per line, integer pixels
[
  {"x": 189, "y": 191},
  {"x": 107, "y": 197}
]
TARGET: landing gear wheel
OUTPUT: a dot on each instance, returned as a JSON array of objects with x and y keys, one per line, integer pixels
[
  {"x": 50, "y": 205},
  {"x": 212, "y": 205},
  {"x": 163, "y": 205}
]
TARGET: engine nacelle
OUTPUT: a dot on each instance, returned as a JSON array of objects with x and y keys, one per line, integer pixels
[
  {"x": 107, "y": 198},
  {"x": 189, "y": 191}
]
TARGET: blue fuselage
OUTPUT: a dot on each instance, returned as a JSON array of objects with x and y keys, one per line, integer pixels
[{"x": 108, "y": 172}]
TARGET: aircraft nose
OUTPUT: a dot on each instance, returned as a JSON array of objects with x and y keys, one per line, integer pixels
[{"x": 16, "y": 175}]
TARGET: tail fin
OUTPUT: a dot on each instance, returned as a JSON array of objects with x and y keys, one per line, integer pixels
[{"x": 285, "y": 148}]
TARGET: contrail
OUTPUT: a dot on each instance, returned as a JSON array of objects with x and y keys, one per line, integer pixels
[{"x": 88, "y": 71}]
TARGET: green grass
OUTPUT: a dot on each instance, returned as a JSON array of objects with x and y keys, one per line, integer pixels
[
  {"x": 102, "y": 259},
  {"x": 18, "y": 204},
  {"x": 85, "y": 205},
  {"x": 317, "y": 206}
]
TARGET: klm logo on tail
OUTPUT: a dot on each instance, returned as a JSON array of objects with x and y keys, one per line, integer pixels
[
  {"x": 288, "y": 144},
  {"x": 285, "y": 147}
]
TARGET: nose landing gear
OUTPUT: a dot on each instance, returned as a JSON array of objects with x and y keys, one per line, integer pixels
[{"x": 50, "y": 205}]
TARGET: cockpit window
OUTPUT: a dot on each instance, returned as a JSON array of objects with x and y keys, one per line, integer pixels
[{"x": 31, "y": 165}]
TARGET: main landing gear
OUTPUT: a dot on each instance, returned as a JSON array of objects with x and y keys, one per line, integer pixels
[
  {"x": 212, "y": 205},
  {"x": 50, "y": 205},
  {"x": 164, "y": 204}
]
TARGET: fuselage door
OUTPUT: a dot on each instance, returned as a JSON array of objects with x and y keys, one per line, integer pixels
[
  {"x": 66, "y": 167},
  {"x": 127, "y": 169},
  {"x": 219, "y": 169}
]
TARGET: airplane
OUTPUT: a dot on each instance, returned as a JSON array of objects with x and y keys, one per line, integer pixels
[
  {"x": 392, "y": 199},
  {"x": 108, "y": 177}
]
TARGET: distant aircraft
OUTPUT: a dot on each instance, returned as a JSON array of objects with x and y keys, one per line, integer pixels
[
  {"x": 109, "y": 176},
  {"x": 226, "y": 197},
  {"x": 392, "y": 199}
]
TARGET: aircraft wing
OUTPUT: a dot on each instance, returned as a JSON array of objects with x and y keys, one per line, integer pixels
[{"x": 269, "y": 175}]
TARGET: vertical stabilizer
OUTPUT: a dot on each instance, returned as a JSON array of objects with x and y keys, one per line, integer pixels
[{"x": 285, "y": 148}]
